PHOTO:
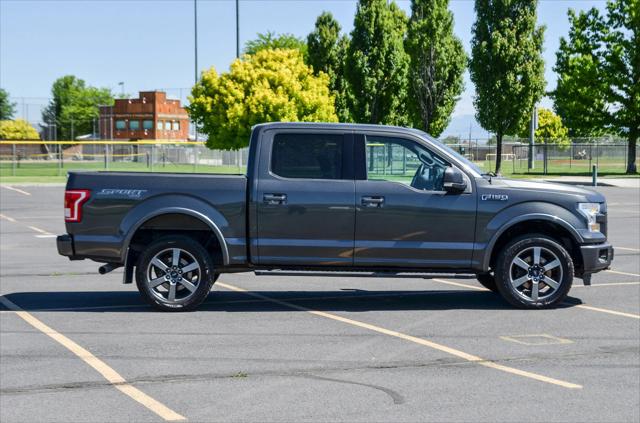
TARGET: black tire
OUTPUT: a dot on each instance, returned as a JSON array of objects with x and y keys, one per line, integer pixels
[
  {"x": 189, "y": 289},
  {"x": 488, "y": 281},
  {"x": 531, "y": 294}
]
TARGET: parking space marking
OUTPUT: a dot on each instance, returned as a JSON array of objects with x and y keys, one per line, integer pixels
[
  {"x": 16, "y": 190},
  {"x": 595, "y": 285},
  {"x": 10, "y": 219},
  {"x": 627, "y": 249},
  {"x": 582, "y": 306},
  {"x": 421, "y": 341},
  {"x": 44, "y": 234},
  {"x": 98, "y": 365},
  {"x": 531, "y": 340},
  {"x": 617, "y": 272},
  {"x": 42, "y": 231}
]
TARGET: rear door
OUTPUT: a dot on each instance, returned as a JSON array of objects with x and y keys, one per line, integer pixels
[
  {"x": 404, "y": 217},
  {"x": 305, "y": 198}
]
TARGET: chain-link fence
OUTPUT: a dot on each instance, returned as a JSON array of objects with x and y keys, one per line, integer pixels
[
  {"x": 55, "y": 159},
  {"x": 42, "y": 159},
  {"x": 566, "y": 158}
]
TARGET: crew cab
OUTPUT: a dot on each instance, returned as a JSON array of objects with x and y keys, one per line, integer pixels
[{"x": 352, "y": 198}]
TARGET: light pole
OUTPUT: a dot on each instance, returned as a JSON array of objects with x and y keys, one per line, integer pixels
[
  {"x": 121, "y": 89},
  {"x": 195, "y": 55},
  {"x": 237, "y": 29}
]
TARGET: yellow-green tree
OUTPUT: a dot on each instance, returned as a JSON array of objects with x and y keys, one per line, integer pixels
[
  {"x": 268, "y": 86},
  {"x": 18, "y": 129},
  {"x": 550, "y": 128}
]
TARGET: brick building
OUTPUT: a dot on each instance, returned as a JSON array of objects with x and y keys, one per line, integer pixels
[{"x": 150, "y": 116}]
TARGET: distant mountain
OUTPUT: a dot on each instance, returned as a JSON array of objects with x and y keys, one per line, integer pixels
[{"x": 460, "y": 125}]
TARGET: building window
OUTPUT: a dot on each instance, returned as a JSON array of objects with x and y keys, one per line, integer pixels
[
  {"x": 121, "y": 124},
  {"x": 176, "y": 125},
  {"x": 167, "y": 125},
  {"x": 134, "y": 125},
  {"x": 147, "y": 124},
  {"x": 159, "y": 126}
]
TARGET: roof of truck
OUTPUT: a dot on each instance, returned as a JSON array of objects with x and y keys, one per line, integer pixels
[{"x": 339, "y": 126}]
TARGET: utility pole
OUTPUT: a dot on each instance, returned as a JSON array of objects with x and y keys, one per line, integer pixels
[
  {"x": 195, "y": 43},
  {"x": 237, "y": 29},
  {"x": 532, "y": 134}
]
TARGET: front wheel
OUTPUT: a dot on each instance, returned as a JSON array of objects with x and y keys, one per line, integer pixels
[
  {"x": 534, "y": 271},
  {"x": 175, "y": 273}
]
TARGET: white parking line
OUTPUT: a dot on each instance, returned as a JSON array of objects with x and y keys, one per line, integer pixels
[
  {"x": 98, "y": 365},
  {"x": 421, "y": 341},
  {"x": 16, "y": 190}
]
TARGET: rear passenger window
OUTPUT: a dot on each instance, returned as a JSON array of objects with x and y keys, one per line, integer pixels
[{"x": 308, "y": 156}]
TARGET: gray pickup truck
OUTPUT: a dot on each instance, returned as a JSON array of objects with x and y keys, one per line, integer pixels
[{"x": 344, "y": 198}]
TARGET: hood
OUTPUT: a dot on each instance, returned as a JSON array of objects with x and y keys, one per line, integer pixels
[{"x": 551, "y": 187}]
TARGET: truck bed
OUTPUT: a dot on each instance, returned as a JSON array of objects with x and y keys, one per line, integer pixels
[{"x": 121, "y": 202}]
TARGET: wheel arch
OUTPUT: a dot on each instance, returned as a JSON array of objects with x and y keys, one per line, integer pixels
[
  {"x": 182, "y": 211},
  {"x": 534, "y": 223}
]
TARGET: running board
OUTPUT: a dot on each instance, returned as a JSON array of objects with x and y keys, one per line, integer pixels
[{"x": 416, "y": 275}]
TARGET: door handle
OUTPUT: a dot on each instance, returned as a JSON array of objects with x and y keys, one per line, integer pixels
[
  {"x": 274, "y": 199},
  {"x": 373, "y": 201}
]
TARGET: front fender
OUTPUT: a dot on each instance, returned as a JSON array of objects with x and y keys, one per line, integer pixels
[
  {"x": 188, "y": 205},
  {"x": 522, "y": 212}
]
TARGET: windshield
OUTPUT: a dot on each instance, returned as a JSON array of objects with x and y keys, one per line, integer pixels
[{"x": 451, "y": 151}]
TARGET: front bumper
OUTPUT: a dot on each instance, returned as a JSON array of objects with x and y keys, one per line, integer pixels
[{"x": 596, "y": 257}]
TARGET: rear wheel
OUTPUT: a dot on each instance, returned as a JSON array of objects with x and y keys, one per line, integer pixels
[
  {"x": 175, "y": 273},
  {"x": 534, "y": 271}
]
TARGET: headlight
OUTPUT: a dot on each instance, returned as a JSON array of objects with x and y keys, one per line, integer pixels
[{"x": 590, "y": 211}]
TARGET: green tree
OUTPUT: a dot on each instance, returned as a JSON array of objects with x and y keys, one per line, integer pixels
[
  {"x": 377, "y": 65},
  {"x": 326, "y": 53},
  {"x": 272, "y": 41},
  {"x": 550, "y": 128},
  {"x": 18, "y": 129},
  {"x": 598, "y": 69},
  {"x": 437, "y": 63},
  {"x": 506, "y": 65},
  {"x": 268, "y": 86},
  {"x": 7, "y": 108},
  {"x": 73, "y": 107}
]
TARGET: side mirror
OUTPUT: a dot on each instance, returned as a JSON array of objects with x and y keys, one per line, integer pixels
[{"x": 454, "y": 180}]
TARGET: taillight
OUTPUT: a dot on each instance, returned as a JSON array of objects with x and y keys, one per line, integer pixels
[{"x": 73, "y": 201}]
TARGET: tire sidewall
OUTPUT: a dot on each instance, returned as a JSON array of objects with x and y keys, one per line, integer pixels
[
  {"x": 199, "y": 254},
  {"x": 503, "y": 270}
]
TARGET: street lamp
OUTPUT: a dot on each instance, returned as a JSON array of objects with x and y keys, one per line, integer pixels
[{"x": 121, "y": 88}]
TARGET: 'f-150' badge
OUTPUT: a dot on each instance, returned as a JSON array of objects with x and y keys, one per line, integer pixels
[{"x": 495, "y": 197}]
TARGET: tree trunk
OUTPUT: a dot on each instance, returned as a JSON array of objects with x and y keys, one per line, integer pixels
[
  {"x": 498, "y": 152},
  {"x": 631, "y": 151}
]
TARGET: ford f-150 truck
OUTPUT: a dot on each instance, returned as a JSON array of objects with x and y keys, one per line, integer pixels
[{"x": 350, "y": 198}]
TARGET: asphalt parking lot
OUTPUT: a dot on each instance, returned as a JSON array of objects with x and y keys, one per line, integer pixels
[{"x": 267, "y": 348}]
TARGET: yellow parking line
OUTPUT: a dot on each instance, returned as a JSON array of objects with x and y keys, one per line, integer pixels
[
  {"x": 10, "y": 219},
  {"x": 604, "y": 310},
  {"x": 627, "y": 249},
  {"x": 42, "y": 231},
  {"x": 421, "y": 341},
  {"x": 586, "y": 307},
  {"x": 16, "y": 190},
  {"x": 617, "y": 272},
  {"x": 98, "y": 365}
]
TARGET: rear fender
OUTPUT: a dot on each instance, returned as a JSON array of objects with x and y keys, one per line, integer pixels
[{"x": 191, "y": 206}]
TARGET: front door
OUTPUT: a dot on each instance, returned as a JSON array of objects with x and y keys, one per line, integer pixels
[
  {"x": 306, "y": 199},
  {"x": 404, "y": 218}
]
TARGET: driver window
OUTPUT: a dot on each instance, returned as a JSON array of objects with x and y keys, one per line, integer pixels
[{"x": 404, "y": 161}]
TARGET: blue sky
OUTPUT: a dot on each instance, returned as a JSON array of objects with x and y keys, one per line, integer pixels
[{"x": 148, "y": 44}]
